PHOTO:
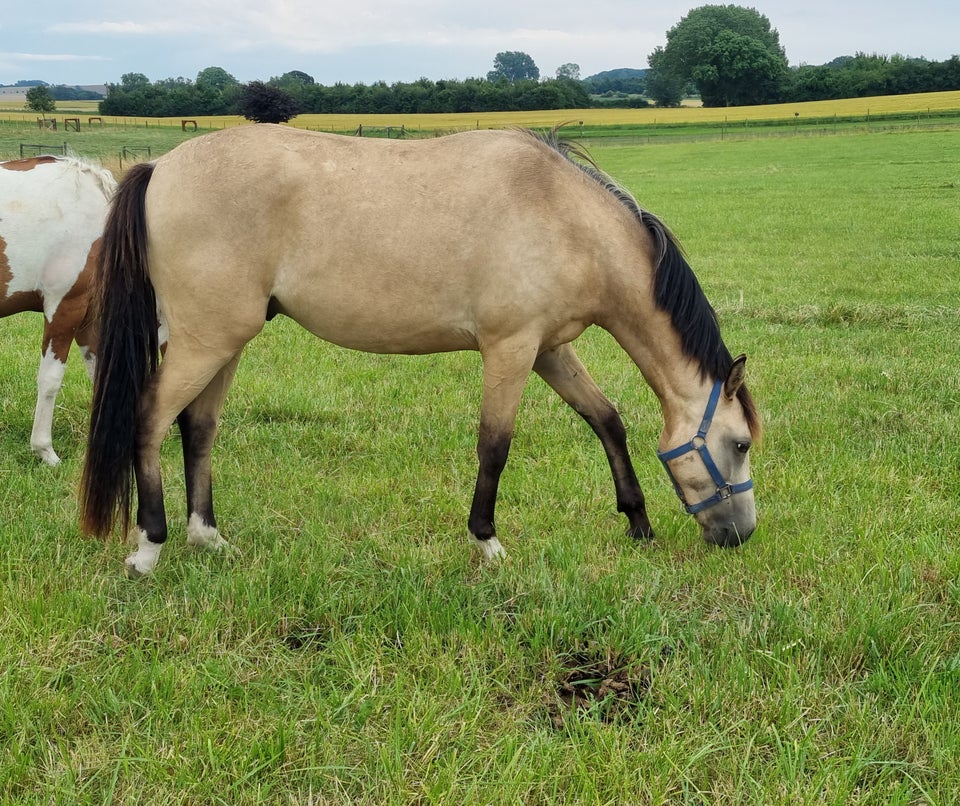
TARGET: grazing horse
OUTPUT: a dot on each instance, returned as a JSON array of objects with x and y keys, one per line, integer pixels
[
  {"x": 52, "y": 212},
  {"x": 498, "y": 241}
]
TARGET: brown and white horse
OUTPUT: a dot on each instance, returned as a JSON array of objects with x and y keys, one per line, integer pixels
[
  {"x": 497, "y": 241},
  {"x": 52, "y": 212}
]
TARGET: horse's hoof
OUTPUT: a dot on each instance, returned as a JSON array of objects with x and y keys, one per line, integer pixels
[
  {"x": 47, "y": 455},
  {"x": 641, "y": 535},
  {"x": 131, "y": 570},
  {"x": 144, "y": 559},
  {"x": 203, "y": 536},
  {"x": 490, "y": 549}
]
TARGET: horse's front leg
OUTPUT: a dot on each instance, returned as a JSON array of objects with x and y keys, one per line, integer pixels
[
  {"x": 56, "y": 345},
  {"x": 505, "y": 369},
  {"x": 562, "y": 369}
]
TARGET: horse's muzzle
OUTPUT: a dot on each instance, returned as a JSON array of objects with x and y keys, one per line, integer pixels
[{"x": 729, "y": 533}]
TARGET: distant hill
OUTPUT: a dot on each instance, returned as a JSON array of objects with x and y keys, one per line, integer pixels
[
  {"x": 618, "y": 74},
  {"x": 60, "y": 92},
  {"x": 623, "y": 81}
]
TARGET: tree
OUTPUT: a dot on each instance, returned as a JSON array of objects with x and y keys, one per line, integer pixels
[
  {"x": 664, "y": 87},
  {"x": 570, "y": 71},
  {"x": 263, "y": 103},
  {"x": 514, "y": 65},
  {"x": 134, "y": 81},
  {"x": 40, "y": 100},
  {"x": 730, "y": 53},
  {"x": 738, "y": 70},
  {"x": 216, "y": 78},
  {"x": 293, "y": 77}
]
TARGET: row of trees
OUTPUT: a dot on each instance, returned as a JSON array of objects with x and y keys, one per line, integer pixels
[
  {"x": 216, "y": 92},
  {"x": 758, "y": 81},
  {"x": 863, "y": 75},
  {"x": 732, "y": 56}
]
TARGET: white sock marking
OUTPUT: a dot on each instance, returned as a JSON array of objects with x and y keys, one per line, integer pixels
[
  {"x": 207, "y": 537},
  {"x": 144, "y": 559},
  {"x": 490, "y": 550},
  {"x": 49, "y": 380}
]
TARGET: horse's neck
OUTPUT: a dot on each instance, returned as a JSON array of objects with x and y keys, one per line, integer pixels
[{"x": 650, "y": 339}]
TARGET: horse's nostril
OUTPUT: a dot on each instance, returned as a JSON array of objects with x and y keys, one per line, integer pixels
[{"x": 728, "y": 536}]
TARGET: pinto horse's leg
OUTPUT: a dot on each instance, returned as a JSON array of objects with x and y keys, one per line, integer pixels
[
  {"x": 65, "y": 324},
  {"x": 87, "y": 342},
  {"x": 180, "y": 380},
  {"x": 198, "y": 428},
  {"x": 562, "y": 369},
  {"x": 505, "y": 370},
  {"x": 53, "y": 365}
]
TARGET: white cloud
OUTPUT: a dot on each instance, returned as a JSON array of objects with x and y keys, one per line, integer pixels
[
  {"x": 48, "y": 57},
  {"x": 124, "y": 28}
]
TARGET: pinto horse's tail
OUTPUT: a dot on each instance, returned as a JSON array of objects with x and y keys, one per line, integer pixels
[{"x": 125, "y": 309}]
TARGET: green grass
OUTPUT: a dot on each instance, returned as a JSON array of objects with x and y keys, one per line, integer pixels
[{"x": 356, "y": 652}]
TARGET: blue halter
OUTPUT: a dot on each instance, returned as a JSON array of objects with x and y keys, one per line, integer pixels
[{"x": 699, "y": 444}]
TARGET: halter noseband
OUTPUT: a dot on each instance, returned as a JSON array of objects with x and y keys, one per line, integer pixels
[{"x": 699, "y": 444}]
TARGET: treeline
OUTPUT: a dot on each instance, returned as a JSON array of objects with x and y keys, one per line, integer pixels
[
  {"x": 217, "y": 93},
  {"x": 863, "y": 76}
]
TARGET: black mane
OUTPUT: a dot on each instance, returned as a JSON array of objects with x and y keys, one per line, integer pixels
[{"x": 676, "y": 288}]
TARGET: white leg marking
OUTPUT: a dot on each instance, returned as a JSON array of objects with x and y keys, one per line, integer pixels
[
  {"x": 144, "y": 559},
  {"x": 207, "y": 537},
  {"x": 490, "y": 550},
  {"x": 49, "y": 380}
]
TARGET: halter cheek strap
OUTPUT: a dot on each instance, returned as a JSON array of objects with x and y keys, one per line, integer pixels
[{"x": 699, "y": 444}]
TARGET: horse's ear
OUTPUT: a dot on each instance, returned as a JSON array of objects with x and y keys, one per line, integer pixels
[{"x": 735, "y": 377}]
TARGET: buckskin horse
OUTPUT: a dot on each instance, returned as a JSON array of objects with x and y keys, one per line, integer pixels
[
  {"x": 52, "y": 212},
  {"x": 505, "y": 242}
]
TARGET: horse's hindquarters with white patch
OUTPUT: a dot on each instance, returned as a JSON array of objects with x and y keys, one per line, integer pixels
[{"x": 52, "y": 211}]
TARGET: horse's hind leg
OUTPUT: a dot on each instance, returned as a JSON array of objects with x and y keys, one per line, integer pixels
[
  {"x": 87, "y": 342},
  {"x": 63, "y": 326},
  {"x": 505, "y": 370},
  {"x": 56, "y": 345},
  {"x": 562, "y": 369},
  {"x": 181, "y": 379},
  {"x": 198, "y": 428}
]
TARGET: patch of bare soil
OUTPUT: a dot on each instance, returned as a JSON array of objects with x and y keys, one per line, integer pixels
[{"x": 599, "y": 679}]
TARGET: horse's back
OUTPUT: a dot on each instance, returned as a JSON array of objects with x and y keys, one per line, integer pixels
[{"x": 386, "y": 246}]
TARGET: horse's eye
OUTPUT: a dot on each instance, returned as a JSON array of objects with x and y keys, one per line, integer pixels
[{"x": 743, "y": 447}]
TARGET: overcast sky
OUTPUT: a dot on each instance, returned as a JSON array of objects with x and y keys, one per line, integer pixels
[{"x": 97, "y": 41}]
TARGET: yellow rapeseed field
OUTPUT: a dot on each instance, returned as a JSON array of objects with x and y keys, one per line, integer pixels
[
  {"x": 889, "y": 104},
  {"x": 921, "y": 102}
]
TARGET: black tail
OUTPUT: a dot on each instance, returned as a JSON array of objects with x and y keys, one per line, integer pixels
[{"x": 125, "y": 309}]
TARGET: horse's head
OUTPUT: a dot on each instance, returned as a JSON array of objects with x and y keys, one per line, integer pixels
[{"x": 711, "y": 470}]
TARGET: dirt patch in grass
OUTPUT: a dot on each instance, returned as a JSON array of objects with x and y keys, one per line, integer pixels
[{"x": 598, "y": 679}]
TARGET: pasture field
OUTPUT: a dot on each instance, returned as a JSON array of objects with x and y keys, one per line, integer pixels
[{"x": 356, "y": 652}]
